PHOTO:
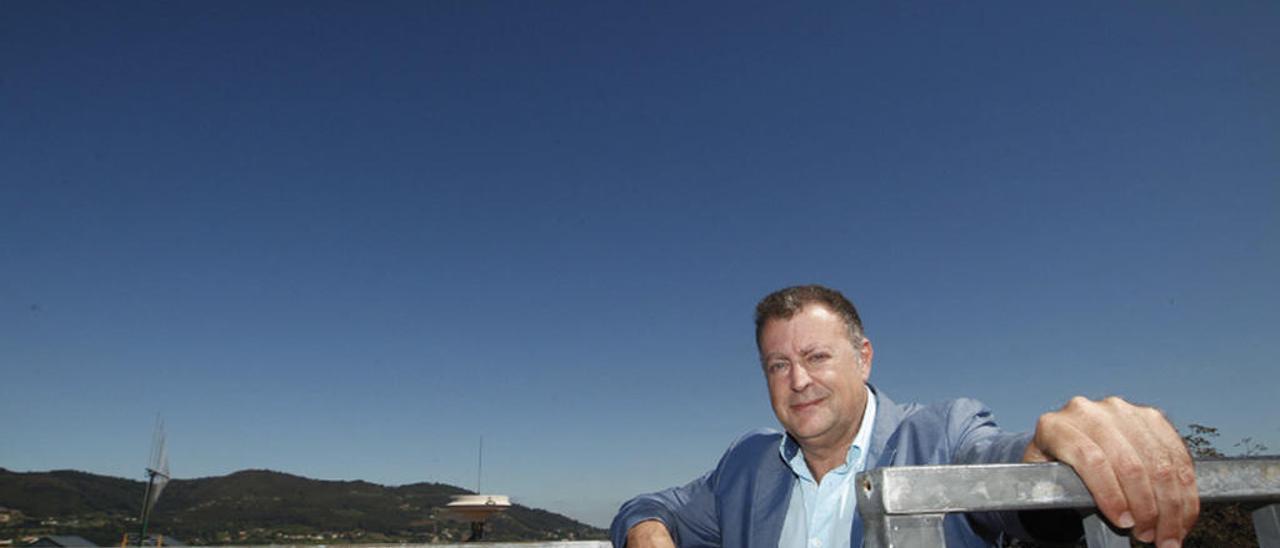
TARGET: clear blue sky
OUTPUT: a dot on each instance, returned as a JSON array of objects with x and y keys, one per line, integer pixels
[{"x": 344, "y": 240}]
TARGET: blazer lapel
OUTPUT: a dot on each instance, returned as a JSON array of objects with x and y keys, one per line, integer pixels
[
  {"x": 888, "y": 417},
  {"x": 769, "y": 509}
]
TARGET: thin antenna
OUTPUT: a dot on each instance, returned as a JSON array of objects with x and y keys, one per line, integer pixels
[
  {"x": 157, "y": 476},
  {"x": 153, "y": 462},
  {"x": 480, "y": 467}
]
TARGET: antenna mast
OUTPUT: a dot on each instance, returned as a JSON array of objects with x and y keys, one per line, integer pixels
[{"x": 157, "y": 476}]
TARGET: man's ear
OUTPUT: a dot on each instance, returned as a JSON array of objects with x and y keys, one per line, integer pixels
[{"x": 866, "y": 352}]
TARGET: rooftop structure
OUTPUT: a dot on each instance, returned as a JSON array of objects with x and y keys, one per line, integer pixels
[{"x": 477, "y": 509}]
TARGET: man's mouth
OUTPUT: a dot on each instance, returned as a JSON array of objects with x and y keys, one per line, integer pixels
[{"x": 806, "y": 405}]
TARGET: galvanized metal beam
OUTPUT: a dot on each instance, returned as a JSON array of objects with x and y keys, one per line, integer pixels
[{"x": 888, "y": 496}]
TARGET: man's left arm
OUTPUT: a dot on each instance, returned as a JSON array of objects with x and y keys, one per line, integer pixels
[
  {"x": 975, "y": 438},
  {"x": 1130, "y": 457}
]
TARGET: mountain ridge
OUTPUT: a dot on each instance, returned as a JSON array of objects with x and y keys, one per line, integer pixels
[{"x": 258, "y": 506}]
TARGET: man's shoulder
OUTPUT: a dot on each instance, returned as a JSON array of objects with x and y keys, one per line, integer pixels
[
  {"x": 750, "y": 451},
  {"x": 760, "y": 440},
  {"x": 938, "y": 413},
  {"x": 943, "y": 419},
  {"x": 943, "y": 411},
  {"x": 931, "y": 433},
  {"x": 752, "y": 456}
]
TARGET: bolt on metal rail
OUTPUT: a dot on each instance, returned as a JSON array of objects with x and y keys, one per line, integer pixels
[{"x": 904, "y": 506}]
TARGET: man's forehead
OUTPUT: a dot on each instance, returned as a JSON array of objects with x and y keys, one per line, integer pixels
[
  {"x": 807, "y": 313},
  {"x": 811, "y": 325}
]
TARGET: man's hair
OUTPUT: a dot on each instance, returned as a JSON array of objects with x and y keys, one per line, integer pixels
[{"x": 785, "y": 303}]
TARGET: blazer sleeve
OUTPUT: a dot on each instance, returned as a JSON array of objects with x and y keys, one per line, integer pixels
[
  {"x": 978, "y": 440},
  {"x": 689, "y": 513}
]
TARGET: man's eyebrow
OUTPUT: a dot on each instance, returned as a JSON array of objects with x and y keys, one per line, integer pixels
[{"x": 812, "y": 348}]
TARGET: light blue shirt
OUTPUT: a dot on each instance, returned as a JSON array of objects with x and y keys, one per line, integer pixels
[{"x": 820, "y": 515}]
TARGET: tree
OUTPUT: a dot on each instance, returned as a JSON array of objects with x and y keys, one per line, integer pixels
[
  {"x": 1219, "y": 524},
  {"x": 1200, "y": 441},
  {"x": 1248, "y": 448}
]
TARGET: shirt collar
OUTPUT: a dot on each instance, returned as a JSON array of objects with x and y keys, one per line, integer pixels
[{"x": 793, "y": 455}]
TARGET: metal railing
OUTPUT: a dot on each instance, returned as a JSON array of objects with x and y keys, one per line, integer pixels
[{"x": 904, "y": 506}]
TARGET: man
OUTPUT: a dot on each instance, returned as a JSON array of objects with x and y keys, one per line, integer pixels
[{"x": 794, "y": 489}]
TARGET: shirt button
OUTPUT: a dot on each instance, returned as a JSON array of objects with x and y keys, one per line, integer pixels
[{"x": 816, "y": 543}]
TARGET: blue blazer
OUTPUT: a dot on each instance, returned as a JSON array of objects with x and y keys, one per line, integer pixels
[{"x": 744, "y": 500}]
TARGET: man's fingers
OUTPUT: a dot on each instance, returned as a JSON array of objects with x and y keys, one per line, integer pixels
[
  {"x": 1175, "y": 481},
  {"x": 1131, "y": 473},
  {"x": 1132, "y": 467},
  {"x": 1191, "y": 509},
  {"x": 1058, "y": 439},
  {"x": 1168, "y": 496}
]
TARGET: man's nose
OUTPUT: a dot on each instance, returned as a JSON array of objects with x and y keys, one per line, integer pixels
[{"x": 799, "y": 378}]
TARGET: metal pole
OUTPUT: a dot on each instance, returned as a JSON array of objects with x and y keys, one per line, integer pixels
[
  {"x": 1099, "y": 534},
  {"x": 146, "y": 506},
  {"x": 1266, "y": 524}
]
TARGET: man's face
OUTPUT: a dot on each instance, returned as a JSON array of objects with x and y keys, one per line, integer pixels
[{"x": 816, "y": 376}]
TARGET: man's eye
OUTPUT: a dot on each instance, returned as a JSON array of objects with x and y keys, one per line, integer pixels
[
  {"x": 777, "y": 367},
  {"x": 820, "y": 357}
]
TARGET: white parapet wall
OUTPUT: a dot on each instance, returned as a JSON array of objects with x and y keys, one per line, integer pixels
[
  {"x": 533, "y": 544},
  {"x": 555, "y": 544}
]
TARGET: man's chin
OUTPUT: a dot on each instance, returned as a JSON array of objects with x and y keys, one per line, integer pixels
[{"x": 805, "y": 432}]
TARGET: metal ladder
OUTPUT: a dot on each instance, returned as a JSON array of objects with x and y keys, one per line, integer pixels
[{"x": 903, "y": 507}]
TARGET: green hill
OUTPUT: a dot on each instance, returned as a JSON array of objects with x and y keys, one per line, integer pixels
[{"x": 257, "y": 507}]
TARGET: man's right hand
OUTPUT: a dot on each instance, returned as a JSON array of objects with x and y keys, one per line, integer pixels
[{"x": 649, "y": 534}]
